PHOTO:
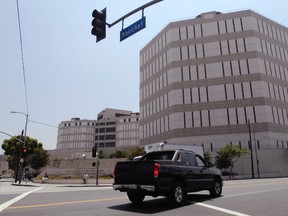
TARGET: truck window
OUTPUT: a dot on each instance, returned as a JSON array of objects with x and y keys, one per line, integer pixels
[
  {"x": 165, "y": 155},
  {"x": 190, "y": 159},
  {"x": 200, "y": 161}
]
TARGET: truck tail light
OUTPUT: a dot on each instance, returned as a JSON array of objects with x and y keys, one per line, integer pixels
[{"x": 156, "y": 170}]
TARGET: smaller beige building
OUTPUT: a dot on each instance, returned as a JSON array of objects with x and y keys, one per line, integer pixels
[
  {"x": 113, "y": 128},
  {"x": 76, "y": 133}
]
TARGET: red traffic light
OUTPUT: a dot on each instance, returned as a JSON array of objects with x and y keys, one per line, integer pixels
[{"x": 24, "y": 152}]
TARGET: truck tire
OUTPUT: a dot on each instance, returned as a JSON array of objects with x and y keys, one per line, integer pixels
[
  {"x": 136, "y": 197},
  {"x": 177, "y": 194},
  {"x": 216, "y": 190}
]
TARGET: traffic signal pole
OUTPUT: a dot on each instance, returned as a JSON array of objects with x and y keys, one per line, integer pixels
[
  {"x": 99, "y": 20},
  {"x": 134, "y": 11},
  {"x": 97, "y": 167}
]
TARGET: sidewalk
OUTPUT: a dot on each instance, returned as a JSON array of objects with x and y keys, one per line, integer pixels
[{"x": 69, "y": 182}]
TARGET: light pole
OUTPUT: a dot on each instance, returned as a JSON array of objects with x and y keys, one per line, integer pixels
[{"x": 25, "y": 130}]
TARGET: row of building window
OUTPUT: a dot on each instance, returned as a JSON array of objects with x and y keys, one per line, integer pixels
[
  {"x": 128, "y": 120},
  {"x": 75, "y": 137},
  {"x": 276, "y": 51},
  {"x": 277, "y": 144},
  {"x": 216, "y": 117},
  {"x": 192, "y": 31},
  {"x": 272, "y": 31},
  {"x": 70, "y": 124},
  {"x": 185, "y": 53},
  {"x": 127, "y": 142},
  {"x": 105, "y": 123},
  {"x": 132, "y": 134},
  {"x": 105, "y": 137},
  {"x": 214, "y": 93},
  {"x": 105, "y": 130},
  {"x": 125, "y": 127},
  {"x": 215, "y": 28},
  {"x": 70, "y": 145},
  {"x": 106, "y": 144},
  {"x": 274, "y": 70}
]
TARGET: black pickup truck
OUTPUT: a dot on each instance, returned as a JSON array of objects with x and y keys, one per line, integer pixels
[{"x": 170, "y": 173}]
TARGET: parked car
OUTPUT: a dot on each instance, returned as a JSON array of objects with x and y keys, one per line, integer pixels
[{"x": 171, "y": 173}]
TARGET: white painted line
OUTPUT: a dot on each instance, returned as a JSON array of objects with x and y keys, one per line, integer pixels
[
  {"x": 221, "y": 209},
  {"x": 16, "y": 199}
]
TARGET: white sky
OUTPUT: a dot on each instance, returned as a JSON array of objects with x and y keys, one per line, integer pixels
[{"x": 68, "y": 74}]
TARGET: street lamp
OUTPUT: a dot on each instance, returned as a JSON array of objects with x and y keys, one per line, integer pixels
[{"x": 26, "y": 122}]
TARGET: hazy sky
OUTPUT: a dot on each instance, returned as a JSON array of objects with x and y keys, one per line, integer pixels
[{"x": 68, "y": 74}]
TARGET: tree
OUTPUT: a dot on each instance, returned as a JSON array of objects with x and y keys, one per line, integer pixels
[
  {"x": 101, "y": 154},
  {"x": 38, "y": 159},
  {"x": 118, "y": 154},
  {"x": 137, "y": 151},
  {"x": 207, "y": 157},
  {"x": 228, "y": 156},
  {"x": 36, "y": 156}
]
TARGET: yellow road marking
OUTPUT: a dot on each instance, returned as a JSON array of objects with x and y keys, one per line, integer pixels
[{"x": 66, "y": 203}]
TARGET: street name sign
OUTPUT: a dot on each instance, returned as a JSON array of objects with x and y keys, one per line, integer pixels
[{"x": 132, "y": 29}]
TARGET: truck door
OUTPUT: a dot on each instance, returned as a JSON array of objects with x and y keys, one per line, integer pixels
[
  {"x": 193, "y": 172},
  {"x": 205, "y": 176}
]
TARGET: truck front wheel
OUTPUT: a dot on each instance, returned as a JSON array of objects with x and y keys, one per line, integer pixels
[
  {"x": 136, "y": 197},
  {"x": 216, "y": 190},
  {"x": 177, "y": 194}
]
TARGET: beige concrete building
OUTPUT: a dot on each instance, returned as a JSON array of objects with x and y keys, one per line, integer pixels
[
  {"x": 127, "y": 130},
  {"x": 203, "y": 80},
  {"x": 113, "y": 128},
  {"x": 106, "y": 127},
  {"x": 76, "y": 133}
]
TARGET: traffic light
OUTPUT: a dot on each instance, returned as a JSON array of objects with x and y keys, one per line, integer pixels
[
  {"x": 24, "y": 152},
  {"x": 99, "y": 24},
  {"x": 94, "y": 152}
]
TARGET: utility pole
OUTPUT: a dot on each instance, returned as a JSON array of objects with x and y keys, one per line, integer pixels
[
  {"x": 97, "y": 164},
  {"x": 256, "y": 153}
]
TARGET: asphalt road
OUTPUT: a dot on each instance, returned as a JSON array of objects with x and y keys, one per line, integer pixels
[{"x": 263, "y": 197}]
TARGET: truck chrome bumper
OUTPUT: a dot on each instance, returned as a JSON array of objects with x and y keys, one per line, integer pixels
[{"x": 133, "y": 187}]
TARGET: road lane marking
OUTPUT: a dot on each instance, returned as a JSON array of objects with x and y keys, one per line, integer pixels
[
  {"x": 227, "y": 211},
  {"x": 16, "y": 199},
  {"x": 66, "y": 203},
  {"x": 251, "y": 193},
  {"x": 246, "y": 184}
]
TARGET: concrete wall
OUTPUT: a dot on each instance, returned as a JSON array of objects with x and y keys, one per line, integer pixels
[
  {"x": 272, "y": 163},
  {"x": 76, "y": 168},
  {"x": 78, "y": 153}
]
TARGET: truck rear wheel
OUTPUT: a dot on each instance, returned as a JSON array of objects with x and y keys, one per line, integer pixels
[
  {"x": 136, "y": 197},
  {"x": 176, "y": 197}
]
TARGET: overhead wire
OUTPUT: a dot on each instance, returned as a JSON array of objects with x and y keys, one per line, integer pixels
[
  {"x": 22, "y": 57},
  {"x": 48, "y": 125}
]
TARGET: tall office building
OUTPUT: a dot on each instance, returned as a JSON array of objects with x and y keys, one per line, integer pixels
[{"x": 203, "y": 80}]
